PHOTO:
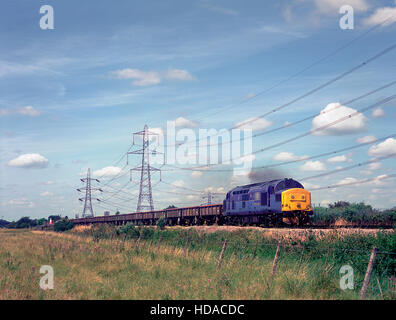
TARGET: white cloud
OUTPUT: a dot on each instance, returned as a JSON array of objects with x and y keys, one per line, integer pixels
[
  {"x": 333, "y": 112},
  {"x": 342, "y": 158},
  {"x": 385, "y": 148},
  {"x": 25, "y": 111},
  {"x": 380, "y": 15},
  {"x": 46, "y": 194},
  {"x": 178, "y": 183},
  {"x": 374, "y": 166},
  {"x": 378, "y": 112},
  {"x": 149, "y": 78},
  {"x": 332, "y": 7},
  {"x": 287, "y": 156},
  {"x": 313, "y": 166},
  {"x": 185, "y": 123},
  {"x": 325, "y": 203},
  {"x": 255, "y": 124},
  {"x": 29, "y": 111},
  {"x": 366, "y": 139},
  {"x": 380, "y": 180},
  {"x": 107, "y": 172},
  {"x": 196, "y": 174},
  {"x": 22, "y": 202},
  {"x": 178, "y": 74},
  {"x": 347, "y": 180},
  {"x": 308, "y": 185},
  {"x": 29, "y": 160}
]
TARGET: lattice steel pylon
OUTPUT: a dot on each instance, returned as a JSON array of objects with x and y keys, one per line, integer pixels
[
  {"x": 145, "y": 201},
  {"x": 88, "y": 194},
  {"x": 208, "y": 196}
]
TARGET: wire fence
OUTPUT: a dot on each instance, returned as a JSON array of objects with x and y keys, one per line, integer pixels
[{"x": 282, "y": 261}]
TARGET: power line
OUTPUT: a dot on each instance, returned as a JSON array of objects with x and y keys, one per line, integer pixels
[
  {"x": 349, "y": 167},
  {"x": 364, "y": 63},
  {"x": 355, "y": 182},
  {"x": 288, "y": 125},
  {"x": 381, "y": 102},
  {"x": 300, "y": 159},
  {"x": 327, "y": 83},
  {"x": 301, "y": 71}
]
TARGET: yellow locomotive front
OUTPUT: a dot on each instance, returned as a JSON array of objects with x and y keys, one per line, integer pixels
[{"x": 296, "y": 205}]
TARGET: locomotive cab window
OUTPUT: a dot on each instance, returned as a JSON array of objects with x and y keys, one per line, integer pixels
[{"x": 264, "y": 198}]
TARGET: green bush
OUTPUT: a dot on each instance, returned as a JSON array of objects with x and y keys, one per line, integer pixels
[
  {"x": 161, "y": 223},
  {"x": 63, "y": 225},
  {"x": 356, "y": 213}
]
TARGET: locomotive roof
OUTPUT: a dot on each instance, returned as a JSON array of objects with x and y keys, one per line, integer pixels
[{"x": 259, "y": 184}]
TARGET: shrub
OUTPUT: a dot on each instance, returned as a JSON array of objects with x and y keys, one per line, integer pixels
[
  {"x": 161, "y": 223},
  {"x": 63, "y": 225}
]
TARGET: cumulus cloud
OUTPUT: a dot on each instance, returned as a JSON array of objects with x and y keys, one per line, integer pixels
[
  {"x": 22, "y": 202},
  {"x": 333, "y": 112},
  {"x": 374, "y": 166},
  {"x": 255, "y": 124},
  {"x": 185, "y": 123},
  {"x": 385, "y": 148},
  {"x": 342, "y": 158},
  {"x": 107, "y": 172},
  {"x": 380, "y": 15},
  {"x": 46, "y": 194},
  {"x": 332, "y": 7},
  {"x": 196, "y": 174},
  {"x": 178, "y": 183},
  {"x": 366, "y": 139},
  {"x": 287, "y": 156},
  {"x": 29, "y": 111},
  {"x": 347, "y": 180},
  {"x": 29, "y": 160},
  {"x": 178, "y": 74},
  {"x": 25, "y": 111},
  {"x": 380, "y": 180},
  {"x": 149, "y": 78},
  {"x": 313, "y": 166},
  {"x": 378, "y": 112}
]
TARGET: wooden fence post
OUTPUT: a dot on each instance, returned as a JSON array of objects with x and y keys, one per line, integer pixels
[
  {"x": 301, "y": 258},
  {"x": 380, "y": 289},
  {"x": 327, "y": 259},
  {"x": 222, "y": 255},
  {"x": 186, "y": 247},
  {"x": 138, "y": 241},
  {"x": 159, "y": 242},
  {"x": 274, "y": 264},
  {"x": 370, "y": 267}
]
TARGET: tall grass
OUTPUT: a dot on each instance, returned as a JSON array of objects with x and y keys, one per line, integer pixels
[{"x": 131, "y": 262}]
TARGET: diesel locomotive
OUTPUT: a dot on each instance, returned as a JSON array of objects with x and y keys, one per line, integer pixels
[{"x": 266, "y": 203}]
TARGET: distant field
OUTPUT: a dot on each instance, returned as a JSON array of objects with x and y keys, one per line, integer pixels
[{"x": 145, "y": 263}]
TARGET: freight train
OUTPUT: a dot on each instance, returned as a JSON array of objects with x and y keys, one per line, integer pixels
[{"x": 267, "y": 203}]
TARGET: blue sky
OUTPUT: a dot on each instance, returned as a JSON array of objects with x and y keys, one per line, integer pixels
[{"x": 74, "y": 95}]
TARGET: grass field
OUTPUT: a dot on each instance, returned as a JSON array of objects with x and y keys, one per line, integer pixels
[{"x": 145, "y": 263}]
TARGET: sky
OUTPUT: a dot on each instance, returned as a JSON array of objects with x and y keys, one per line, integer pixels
[{"x": 72, "y": 96}]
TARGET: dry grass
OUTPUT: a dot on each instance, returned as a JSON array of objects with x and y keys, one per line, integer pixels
[
  {"x": 113, "y": 269},
  {"x": 290, "y": 234}
]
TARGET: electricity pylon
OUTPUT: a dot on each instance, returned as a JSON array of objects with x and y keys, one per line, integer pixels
[
  {"x": 88, "y": 195},
  {"x": 208, "y": 196},
  {"x": 145, "y": 201}
]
